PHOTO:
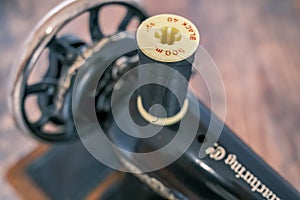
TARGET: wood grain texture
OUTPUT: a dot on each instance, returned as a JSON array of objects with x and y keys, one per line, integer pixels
[
  {"x": 18, "y": 177},
  {"x": 256, "y": 46}
]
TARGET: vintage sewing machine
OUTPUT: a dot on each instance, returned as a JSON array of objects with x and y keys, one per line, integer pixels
[{"x": 126, "y": 96}]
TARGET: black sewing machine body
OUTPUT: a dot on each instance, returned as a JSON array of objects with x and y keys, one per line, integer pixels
[{"x": 230, "y": 170}]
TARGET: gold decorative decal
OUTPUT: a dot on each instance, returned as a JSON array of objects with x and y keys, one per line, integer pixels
[
  {"x": 152, "y": 182},
  {"x": 219, "y": 153}
]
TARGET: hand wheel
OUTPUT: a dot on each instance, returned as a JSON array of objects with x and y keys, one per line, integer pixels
[{"x": 53, "y": 92}]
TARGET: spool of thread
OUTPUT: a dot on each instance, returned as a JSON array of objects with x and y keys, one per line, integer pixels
[{"x": 168, "y": 40}]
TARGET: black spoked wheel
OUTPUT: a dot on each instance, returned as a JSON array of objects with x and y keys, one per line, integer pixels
[{"x": 54, "y": 91}]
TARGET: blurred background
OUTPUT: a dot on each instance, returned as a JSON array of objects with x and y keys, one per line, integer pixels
[{"x": 255, "y": 44}]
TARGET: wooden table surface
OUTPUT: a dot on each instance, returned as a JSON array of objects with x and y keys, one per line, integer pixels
[{"x": 256, "y": 46}]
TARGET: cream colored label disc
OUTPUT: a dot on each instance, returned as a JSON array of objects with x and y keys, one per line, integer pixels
[{"x": 168, "y": 38}]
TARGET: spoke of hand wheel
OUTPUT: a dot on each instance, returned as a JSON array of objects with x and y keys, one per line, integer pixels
[
  {"x": 63, "y": 50},
  {"x": 96, "y": 33},
  {"x": 41, "y": 122},
  {"x": 126, "y": 20}
]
